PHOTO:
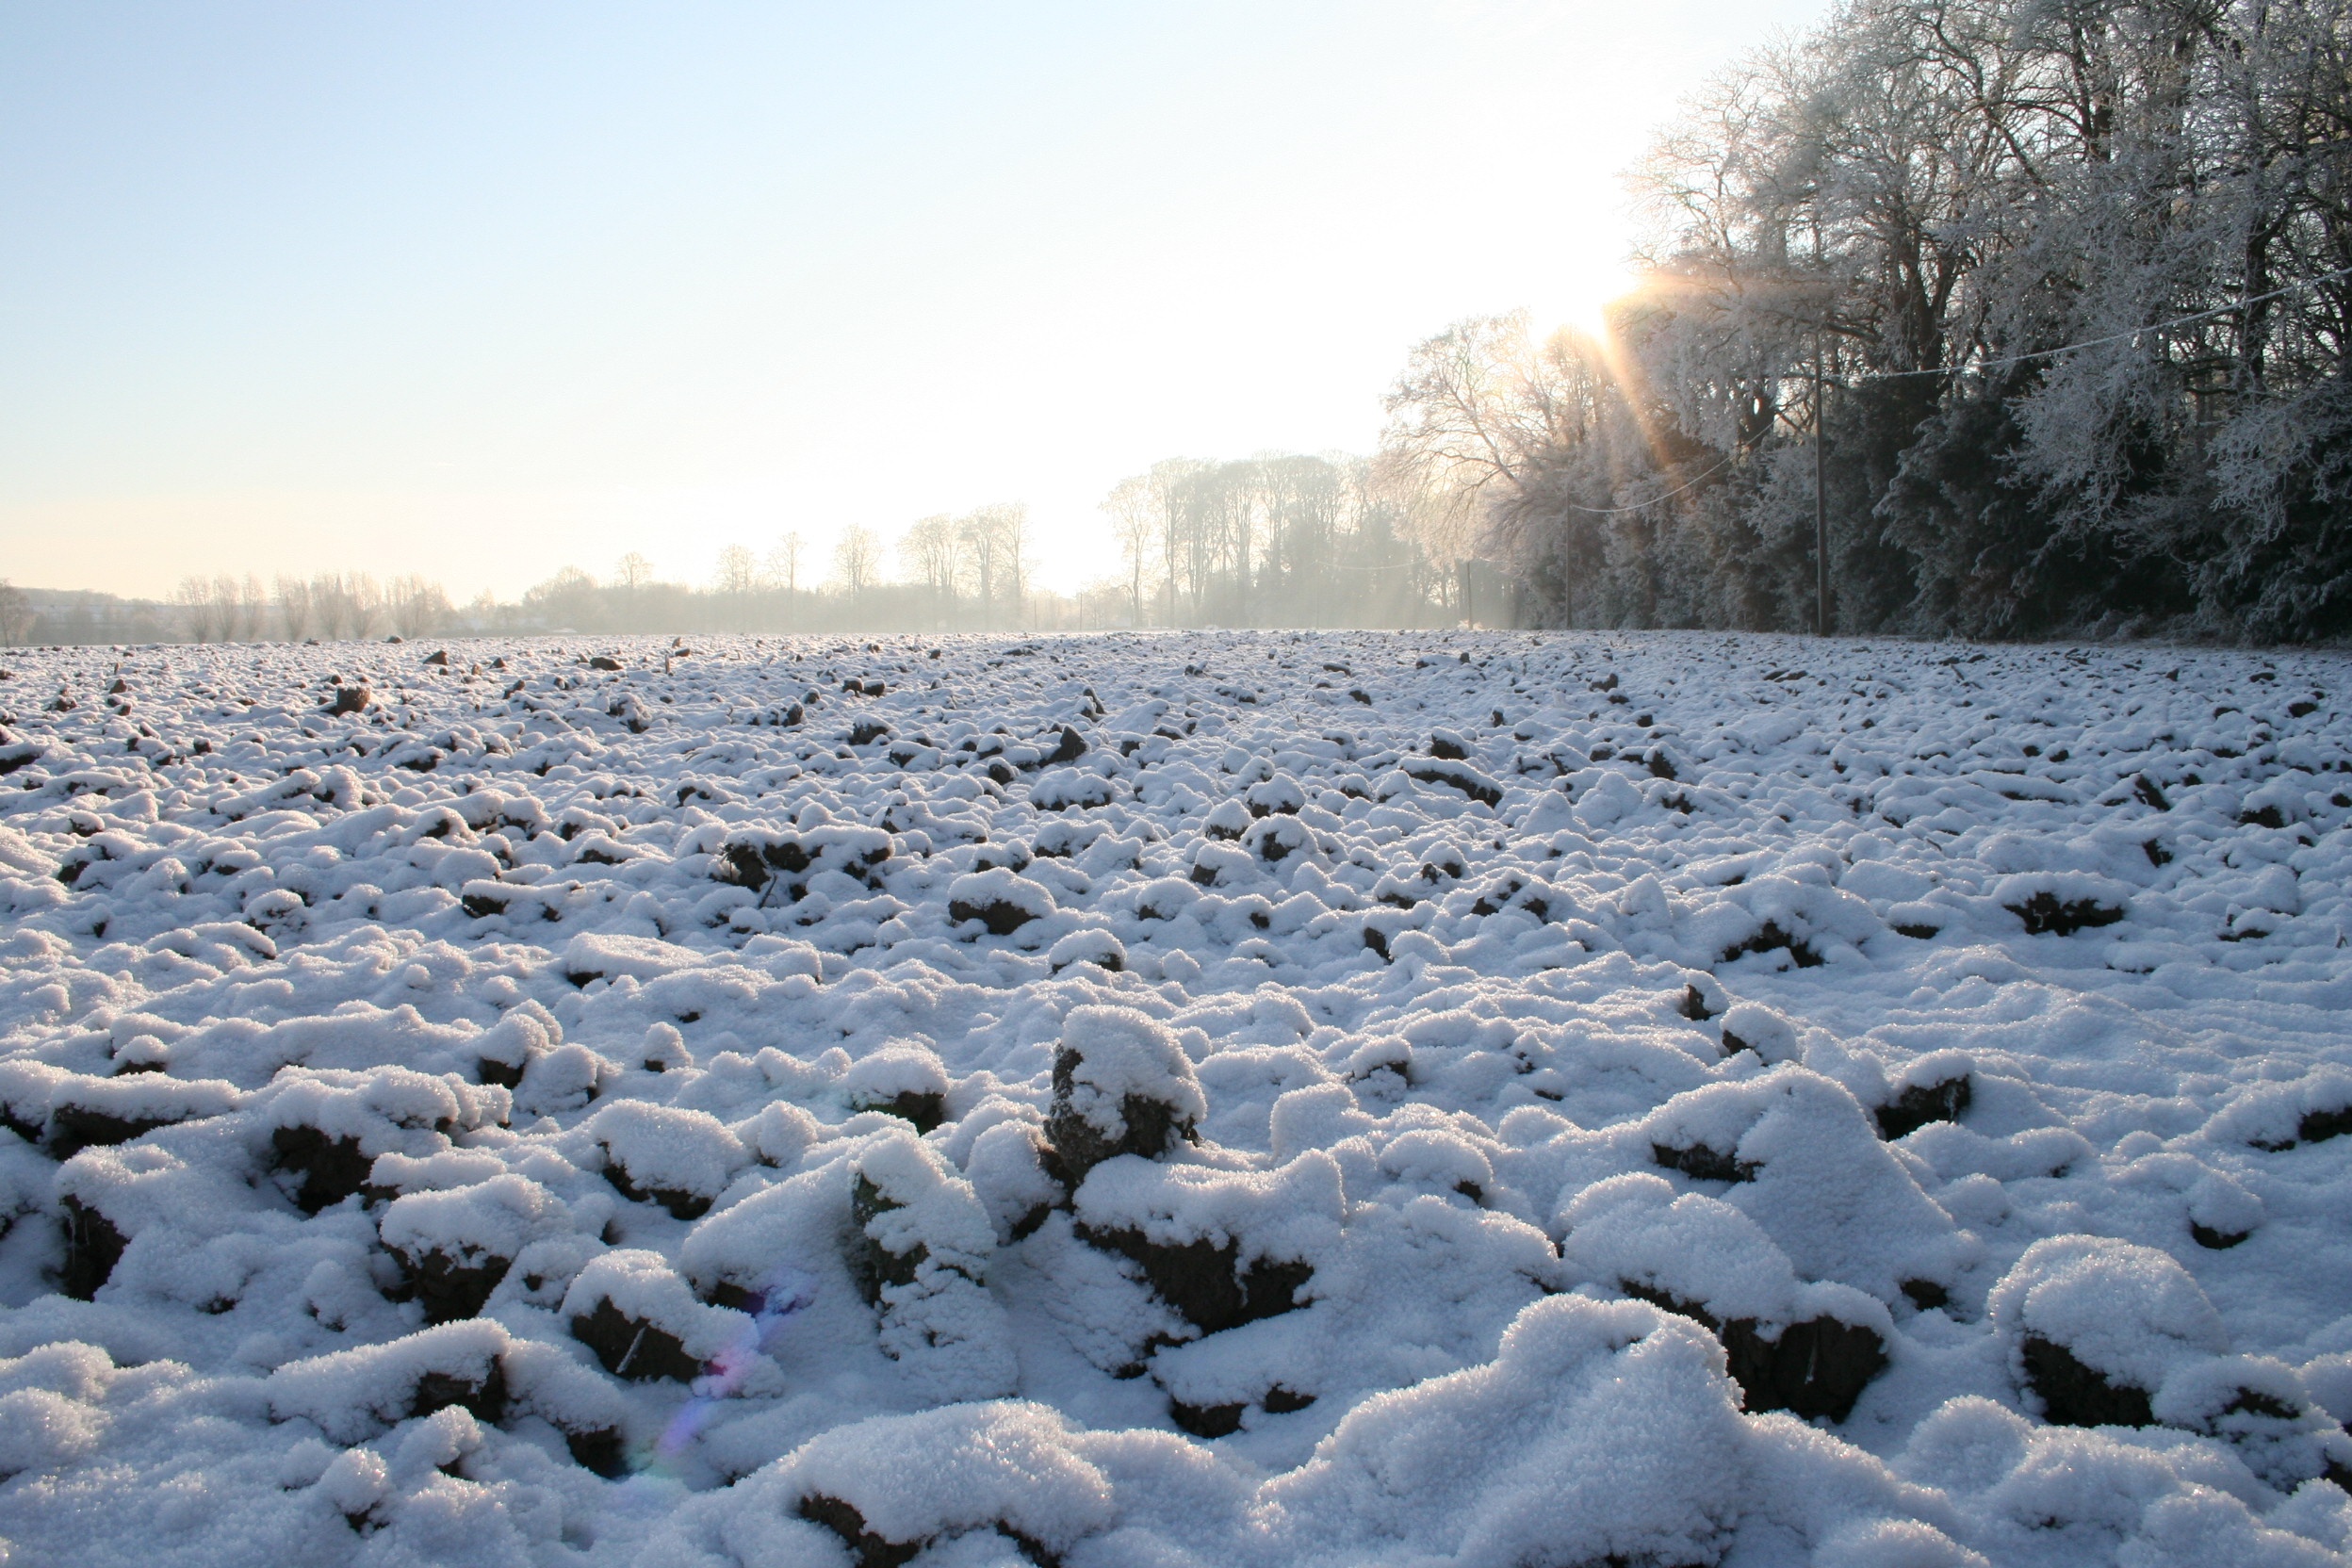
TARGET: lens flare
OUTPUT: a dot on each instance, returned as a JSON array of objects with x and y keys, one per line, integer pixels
[{"x": 780, "y": 1298}]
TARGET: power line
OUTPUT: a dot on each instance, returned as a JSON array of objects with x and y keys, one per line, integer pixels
[
  {"x": 1641, "y": 506},
  {"x": 2114, "y": 337},
  {"x": 1392, "y": 566}
]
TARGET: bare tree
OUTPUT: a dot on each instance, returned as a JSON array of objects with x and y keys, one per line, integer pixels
[
  {"x": 228, "y": 609},
  {"x": 415, "y": 608},
  {"x": 346, "y": 605},
  {"x": 16, "y": 614},
  {"x": 222, "y": 608},
  {"x": 734, "y": 580},
  {"x": 994, "y": 542},
  {"x": 1013, "y": 527},
  {"x": 253, "y": 608},
  {"x": 976, "y": 536},
  {"x": 194, "y": 599},
  {"x": 1468, "y": 420},
  {"x": 1135, "y": 514},
  {"x": 857, "y": 560},
  {"x": 1170, "y": 484},
  {"x": 632, "y": 572},
  {"x": 365, "y": 603},
  {"x": 294, "y": 610},
  {"x": 931, "y": 553},
  {"x": 738, "y": 574},
  {"x": 784, "y": 563}
]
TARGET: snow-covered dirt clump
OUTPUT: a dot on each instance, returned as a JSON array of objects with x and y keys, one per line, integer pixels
[{"x": 1276, "y": 1100}]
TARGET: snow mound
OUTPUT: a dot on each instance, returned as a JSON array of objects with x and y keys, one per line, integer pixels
[{"x": 1601, "y": 1432}]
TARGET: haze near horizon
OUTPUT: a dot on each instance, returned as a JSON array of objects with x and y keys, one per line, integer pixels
[{"x": 484, "y": 295}]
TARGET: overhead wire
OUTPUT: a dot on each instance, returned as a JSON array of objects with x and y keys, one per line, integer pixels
[
  {"x": 1638, "y": 506},
  {"x": 2135, "y": 333}
]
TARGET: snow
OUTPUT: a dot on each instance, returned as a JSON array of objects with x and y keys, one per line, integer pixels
[
  {"x": 976, "y": 1467},
  {"x": 1115, "y": 1053},
  {"x": 1126, "y": 1101},
  {"x": 493, "y": 1217},
  {"x": 687, "y": 1157},
  {"x": 1293, "y": 1212},
  {"x": 1633, "y": 1230},
  {"x": 1599, "y": 1430},
  {"x": 2127, "y": 1311},
  {"x": 641, "y": 1284}
]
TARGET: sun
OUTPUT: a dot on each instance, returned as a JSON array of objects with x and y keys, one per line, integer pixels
[{"x": 1585, "y": 295}]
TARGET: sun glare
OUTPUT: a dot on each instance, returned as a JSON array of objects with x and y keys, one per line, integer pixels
[{"x": 1585, "y": 299}]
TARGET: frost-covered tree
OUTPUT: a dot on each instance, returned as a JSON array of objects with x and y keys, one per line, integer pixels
[{"x": 2074, "y": 278}]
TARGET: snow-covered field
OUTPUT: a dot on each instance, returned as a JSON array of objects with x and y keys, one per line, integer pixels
[{"x": 1241, "y": 1099}]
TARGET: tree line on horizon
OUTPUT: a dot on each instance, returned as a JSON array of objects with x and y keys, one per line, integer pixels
[{"x": 1277, "y": 539}]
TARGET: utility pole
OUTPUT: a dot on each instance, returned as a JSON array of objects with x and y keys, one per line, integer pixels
[{"x": 1820, "y": 499}]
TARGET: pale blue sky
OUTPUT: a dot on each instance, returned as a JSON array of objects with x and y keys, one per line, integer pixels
[{"x": 481, "y": 291}]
